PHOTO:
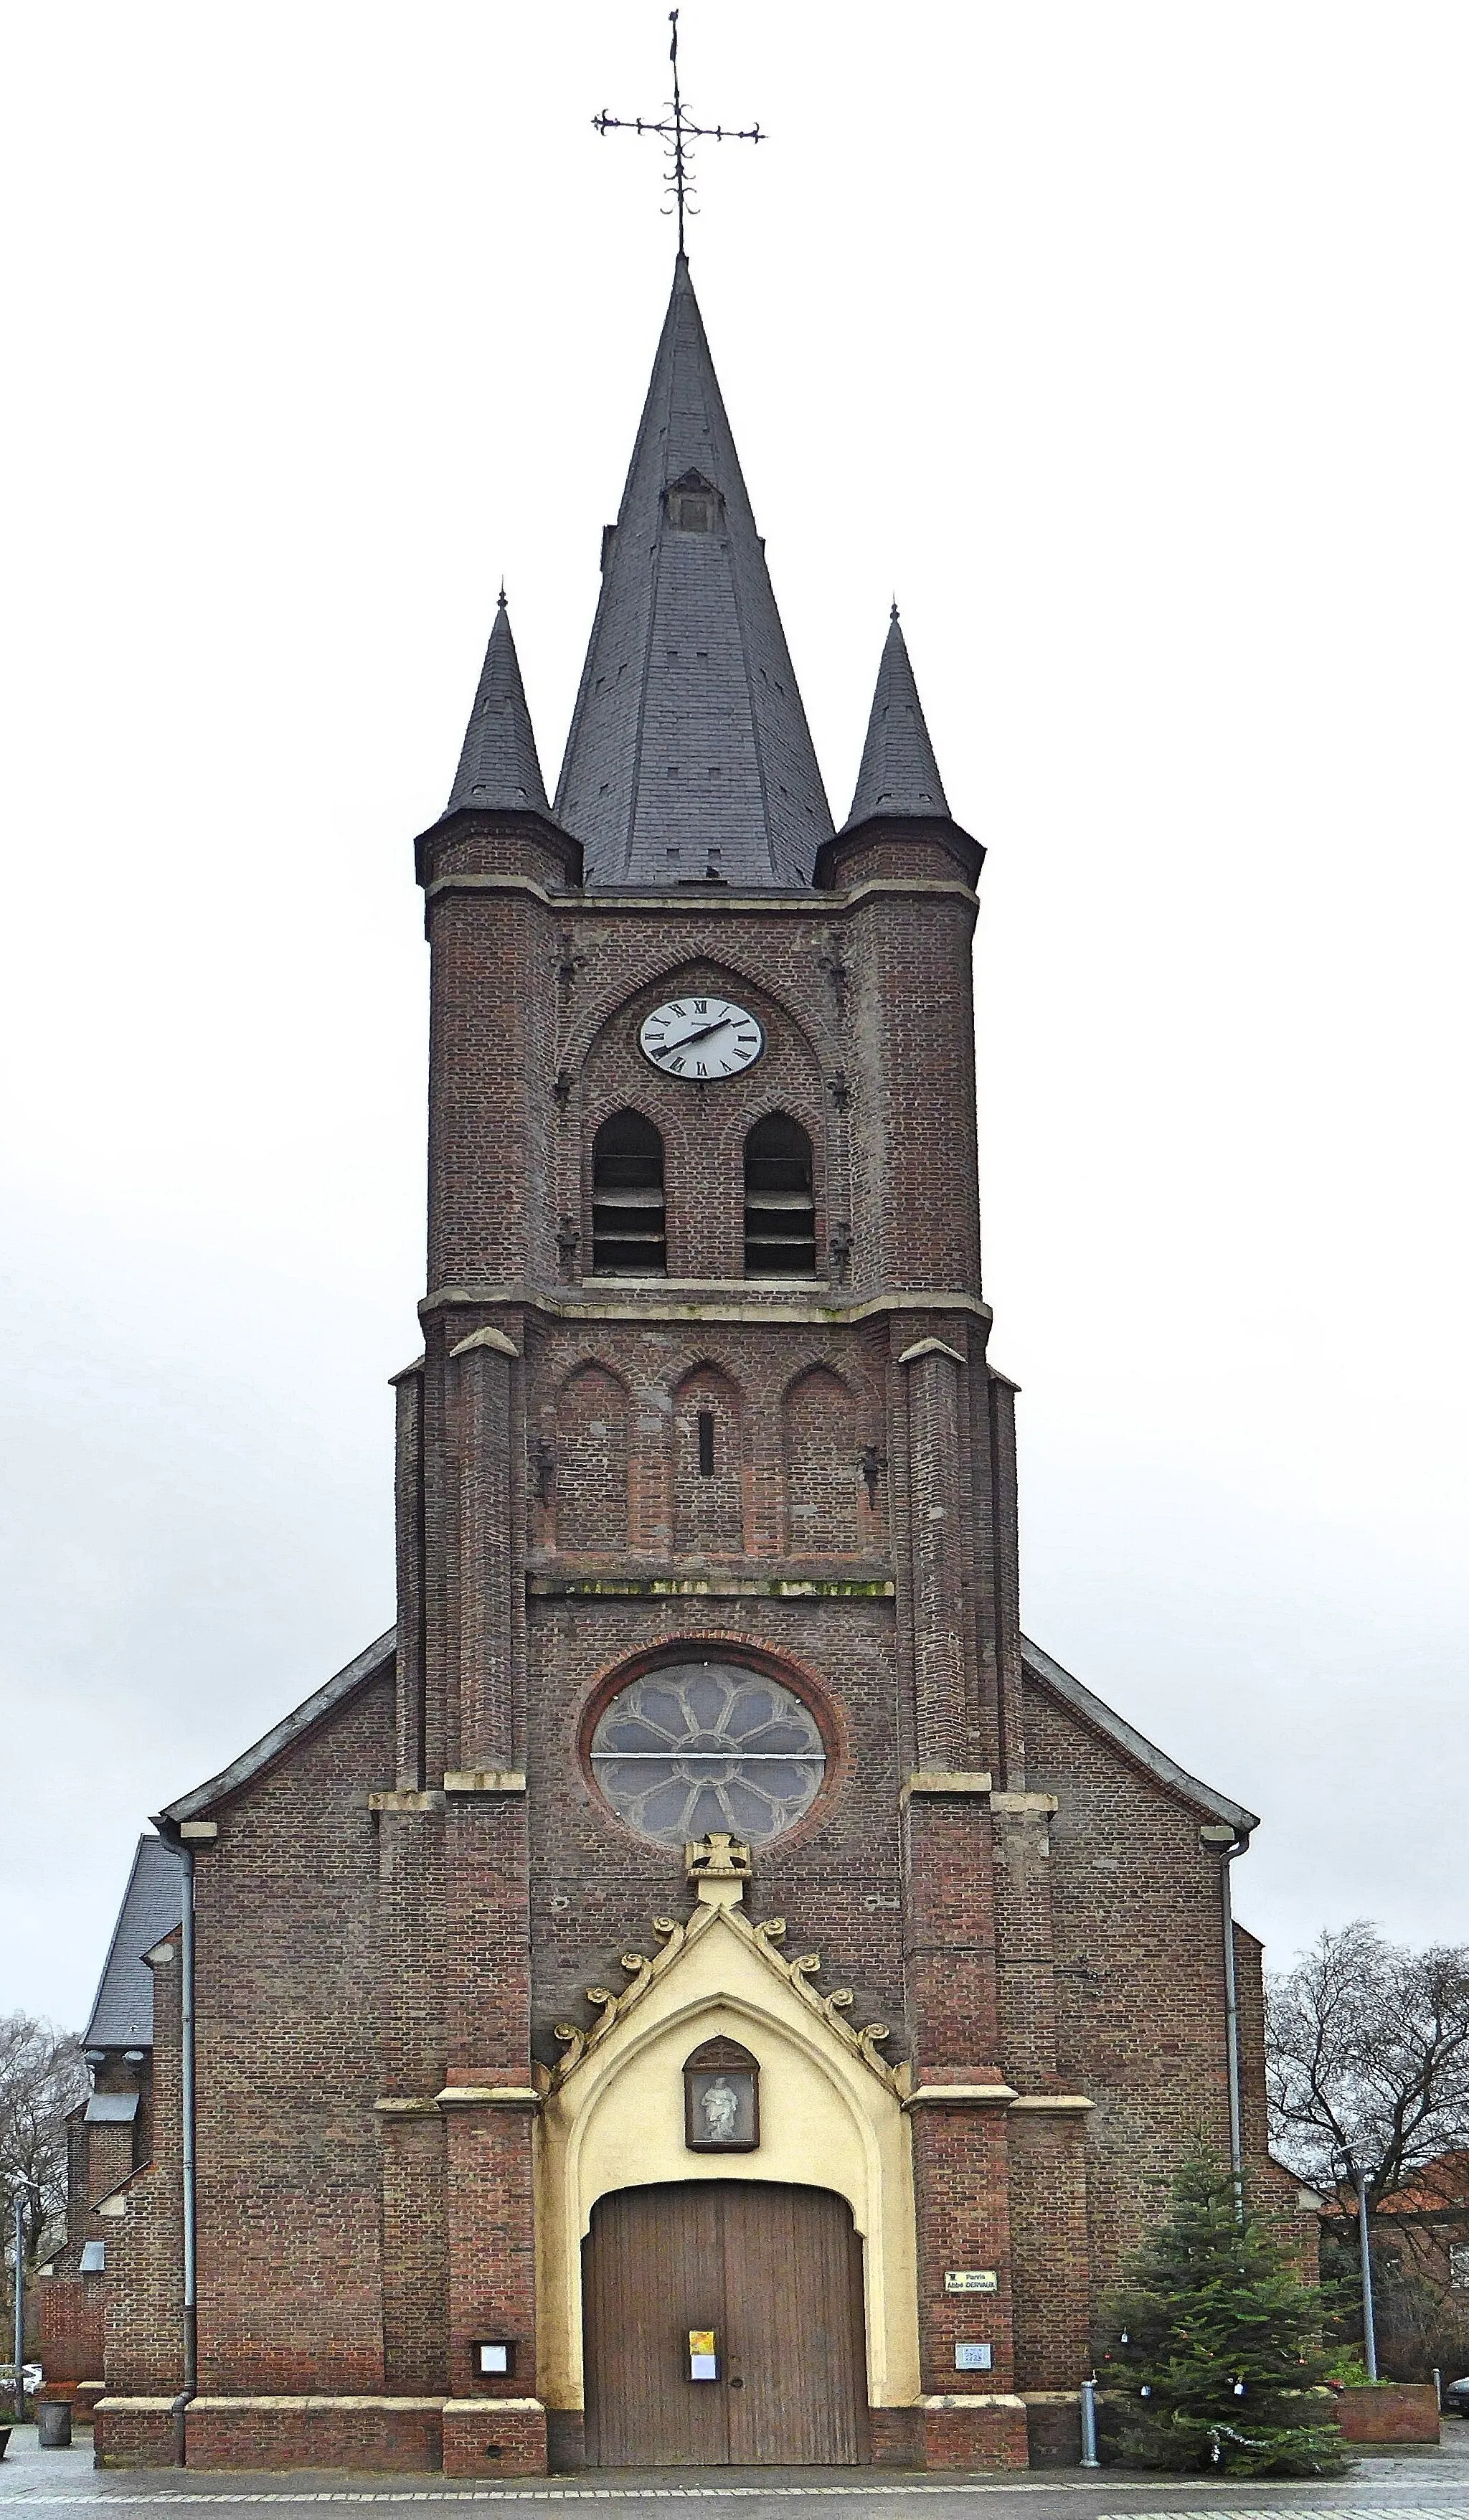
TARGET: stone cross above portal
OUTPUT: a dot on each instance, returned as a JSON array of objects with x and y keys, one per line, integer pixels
[{"x": 719, "y": 1866}]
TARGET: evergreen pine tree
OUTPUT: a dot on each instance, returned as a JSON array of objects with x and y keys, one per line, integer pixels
[{"x": 1215, "y": 2342}]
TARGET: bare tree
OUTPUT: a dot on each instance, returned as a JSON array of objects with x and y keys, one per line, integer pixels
[
  {"x": 43, "y": 2075},
  {"x": 1367, "y": 2048}
]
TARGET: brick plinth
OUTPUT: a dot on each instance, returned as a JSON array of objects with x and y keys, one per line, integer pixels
[
  {"x": 894, "y": 2435},
  {"x": 1053, "y": 2422},
  {"x": 395, "y": 2433},
  {"x": 132, "y": 2432},
  {"x": 1401, "y": 2413},
  {"x": 974, "y": 2433},
  {"x": 494, "y": 2436},
  {"x": 565, "y": 2441}
]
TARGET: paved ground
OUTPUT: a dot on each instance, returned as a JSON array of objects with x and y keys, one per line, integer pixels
[{"x": 1395, "y": 2484}]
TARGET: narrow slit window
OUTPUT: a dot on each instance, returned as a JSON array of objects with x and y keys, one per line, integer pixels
[
  {"x": 780, "y": 1211},
  {"x": 629, "y": 1220},
  {"x": 707, "y": 1443}
]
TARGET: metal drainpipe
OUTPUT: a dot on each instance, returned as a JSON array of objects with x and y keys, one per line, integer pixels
[
  {"x": 1239, "y": 1845},
  {"x": 189, "y": 2389}
]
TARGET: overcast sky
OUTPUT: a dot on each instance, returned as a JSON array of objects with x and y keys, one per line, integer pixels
[{"x": 1125, "y": 340}]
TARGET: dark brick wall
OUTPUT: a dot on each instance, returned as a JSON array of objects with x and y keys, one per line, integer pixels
[
  {"x": 290, "y": 2176},
  {"x": 71, "y": 2324},
  {"x": 1139, "y": 1973},
  {"x": 143, "y": 2352},
  {"x": 962, "y": 2188},
  {"x": 1047, "y": 2170}
]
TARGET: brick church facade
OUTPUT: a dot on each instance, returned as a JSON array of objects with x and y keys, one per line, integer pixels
[{"x": 703, "y": 1988}]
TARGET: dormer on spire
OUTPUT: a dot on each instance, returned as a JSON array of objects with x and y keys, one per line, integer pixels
[
  {"x": 499, "y": 768},
  {"x": 899, "y": 779}
]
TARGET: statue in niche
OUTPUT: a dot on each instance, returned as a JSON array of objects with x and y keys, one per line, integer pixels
[
  {"x": 722, "y": 2099},
  {"x": 720, "y": 2106}
]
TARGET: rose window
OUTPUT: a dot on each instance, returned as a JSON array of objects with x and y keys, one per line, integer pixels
[{"x": 708, "y": 1745}]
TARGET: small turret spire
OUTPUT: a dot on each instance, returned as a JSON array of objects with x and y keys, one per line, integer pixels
[
  {"x": 499, "y": 767},
  {"x": 899, "y": 774}
]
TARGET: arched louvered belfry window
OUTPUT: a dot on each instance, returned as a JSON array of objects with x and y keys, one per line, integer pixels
[
  {"x": 629, "y": 1225},
  {"x": 779, "y": 1213}
]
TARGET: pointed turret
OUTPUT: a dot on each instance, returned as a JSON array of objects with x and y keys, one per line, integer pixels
[
  {"x": 689, "y": 756},
  {"x": 899, "y": 778},
  {"x": 900, "y": 824},
  {"x": 499, "y": 768}
]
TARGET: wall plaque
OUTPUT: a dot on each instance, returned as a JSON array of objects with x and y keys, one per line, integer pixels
[
  {"x": 971, "y": 2279},
  {"x": 974, "y": 2357}
]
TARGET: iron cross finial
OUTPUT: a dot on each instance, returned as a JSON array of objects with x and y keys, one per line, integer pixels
[{"x": 676, "y": 130}]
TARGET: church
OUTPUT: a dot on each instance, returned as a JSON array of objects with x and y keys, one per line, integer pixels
[{"x": 703, "y": 1989}]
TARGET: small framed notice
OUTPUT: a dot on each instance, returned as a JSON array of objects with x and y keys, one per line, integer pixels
[
  {"x": 703, "y": 2361},
  {"x": 971, "y": 2279},
  {"x": 974, "y": 2357}
]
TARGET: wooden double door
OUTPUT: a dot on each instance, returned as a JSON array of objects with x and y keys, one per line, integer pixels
[{"x": 775, "y": 2272}]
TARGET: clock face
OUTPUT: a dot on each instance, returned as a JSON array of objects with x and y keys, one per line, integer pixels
[{"x": 700, "y": 1037}]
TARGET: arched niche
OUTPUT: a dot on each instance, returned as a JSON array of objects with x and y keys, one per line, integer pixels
[
  {"x": 819, "y": 1465},
  {"x": 708, "y": 1435},
  {"x": 590, "y": 1487}
]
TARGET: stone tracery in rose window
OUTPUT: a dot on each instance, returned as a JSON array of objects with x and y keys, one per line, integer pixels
[{"x": 695, "y": 1748}]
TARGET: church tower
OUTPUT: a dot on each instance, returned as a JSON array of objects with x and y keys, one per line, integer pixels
[{"x": 710, "y": 1991}]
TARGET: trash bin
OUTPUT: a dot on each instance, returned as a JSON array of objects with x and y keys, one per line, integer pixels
[{"x": 54, "y": 2425}]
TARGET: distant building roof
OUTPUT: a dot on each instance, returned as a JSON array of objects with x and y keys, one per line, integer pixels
[{"x": 151, "y": 1902}]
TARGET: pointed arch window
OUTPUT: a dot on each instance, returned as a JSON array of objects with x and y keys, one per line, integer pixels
[
  {"x": 629, "y": 1220},
  {"x": 780, "y": 1211}
]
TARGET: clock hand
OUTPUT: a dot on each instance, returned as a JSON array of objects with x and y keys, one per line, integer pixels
[{"x": 701, "y": 1032}]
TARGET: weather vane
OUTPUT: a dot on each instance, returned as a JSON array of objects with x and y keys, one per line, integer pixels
[{"x": 676, "y": 130}]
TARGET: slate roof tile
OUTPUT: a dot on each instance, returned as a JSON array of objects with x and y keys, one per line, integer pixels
[
  {"x": 689, "y": 751},
  {"x": 899, "y": 773},
  {"x": 152, "y": 1905},
  {"x": 499, "y": 766}
]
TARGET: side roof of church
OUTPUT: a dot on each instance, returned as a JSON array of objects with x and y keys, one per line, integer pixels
[{"x": 121, "y": 2014}]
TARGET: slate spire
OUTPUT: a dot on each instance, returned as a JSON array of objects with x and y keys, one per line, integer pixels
[
  {"x": 499, "y": 766},
  {"x": 689, "y": 755},
  {"x": 899, "y": 775}
]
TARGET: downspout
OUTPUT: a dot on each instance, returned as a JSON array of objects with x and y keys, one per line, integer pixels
[
  {"x": 189, "y": 2389},
  {"x": 1238, "y": 1842}
]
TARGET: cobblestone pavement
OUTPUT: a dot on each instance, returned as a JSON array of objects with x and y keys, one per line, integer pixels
[{"x": 1394, "y": 2485}]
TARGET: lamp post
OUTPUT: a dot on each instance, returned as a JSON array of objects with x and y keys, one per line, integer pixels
[
  {"x": 1363, "y": 2241},
  {"x": 20, "y": 2202}
]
